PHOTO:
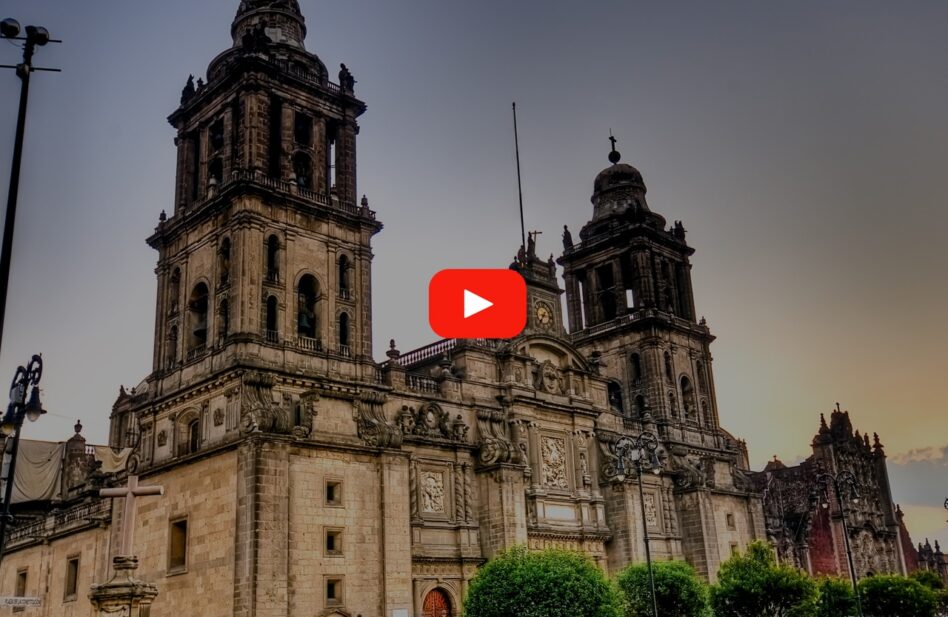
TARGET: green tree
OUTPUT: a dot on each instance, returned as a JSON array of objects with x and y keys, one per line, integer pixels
[
  {"x": 542, "y": 584},
  {"x": 754, "y": 585},
  {"x": 679, "y": 591},
  {"x": 836, "y": 598},
  {"x": 929, "y": 579},
  {"x": 896, "y": 596}
]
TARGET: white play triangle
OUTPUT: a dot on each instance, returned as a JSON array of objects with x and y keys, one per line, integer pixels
[{"x": 474, "y": 304}]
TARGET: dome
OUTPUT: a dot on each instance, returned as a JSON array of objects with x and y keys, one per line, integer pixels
[{"x": 616, "y": 176}]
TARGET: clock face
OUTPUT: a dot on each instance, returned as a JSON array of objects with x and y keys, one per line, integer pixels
[{"x": 544, "y": 314}]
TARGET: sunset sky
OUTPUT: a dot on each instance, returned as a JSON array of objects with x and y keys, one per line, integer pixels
[{"x": 804, "y": 145}]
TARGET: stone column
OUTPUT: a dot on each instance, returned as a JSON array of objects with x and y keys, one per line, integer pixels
[{"x": 124, "y": 595}]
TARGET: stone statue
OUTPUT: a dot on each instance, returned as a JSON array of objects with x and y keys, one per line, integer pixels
[
  {"x": 567, "y": 238},
  {"x": 346, "y": 81},
  {"x": 188, "y": 90}
]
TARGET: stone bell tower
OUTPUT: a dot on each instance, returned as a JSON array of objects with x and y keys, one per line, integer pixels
[
  {"x": 631, "y": 308},
  {"x": 267, "y": 257}
]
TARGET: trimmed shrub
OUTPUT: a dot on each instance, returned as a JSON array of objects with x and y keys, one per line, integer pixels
[
  {"x": 753, "y": 585},
  {"x": 542, "y": 584},
  {"x": 896, "y": 596},
  {"x": 679, "y": 591},
  {"x": 836, "y": 598}
]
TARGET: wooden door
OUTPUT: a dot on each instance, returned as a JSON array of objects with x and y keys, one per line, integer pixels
[{"x": 436, "y": 604}]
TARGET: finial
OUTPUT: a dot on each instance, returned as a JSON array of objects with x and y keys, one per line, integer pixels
[
  {"x": 365, "y": 201},
  {"x": 614, "y": 156},
  {"x": 162, "y": 217},
  {"x": 78, "y": 427}
]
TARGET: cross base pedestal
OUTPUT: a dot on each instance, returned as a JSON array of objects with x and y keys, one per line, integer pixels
[{"x": 124, "y": 595}]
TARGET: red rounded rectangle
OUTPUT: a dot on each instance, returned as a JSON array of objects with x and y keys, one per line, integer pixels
[{"x": 477, "y": 303}]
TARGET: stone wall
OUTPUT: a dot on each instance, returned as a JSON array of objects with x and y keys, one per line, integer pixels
[
  {"x": 46, "y": 572},
  {"x": 205, "y": 492}
]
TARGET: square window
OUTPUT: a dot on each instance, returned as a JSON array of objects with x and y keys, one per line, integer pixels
[
  {"x": 333, "y": 542},
  {"x": 178, "y": 546},
  {"x": 334, "y": 591},
  {"x": 72, "y": 579},
  {"x": 735, "y": 549},
  {"x": 333, "y": 493},
  {"x": 20, "y": 588},
  {"x": 730, "y": 522}
]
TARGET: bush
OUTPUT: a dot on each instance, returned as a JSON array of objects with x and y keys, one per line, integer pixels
[
  {"x": 753, "y": 585},
  {"x": 836, "y": 598},
  {"x": 896, "y": 596},
  {"x": 542, "y": 584},
  {"x": 679, "y": 591}
]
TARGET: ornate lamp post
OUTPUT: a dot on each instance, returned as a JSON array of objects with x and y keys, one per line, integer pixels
[
  {"x": 26, "y": 378},
  {"x": 842, "y": 483},
  {"x": 36, "y": 36},
  {"x": 641, "y": 453}
]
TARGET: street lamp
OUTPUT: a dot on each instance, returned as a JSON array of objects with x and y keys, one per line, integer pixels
[
  {"x": 36, "y": 36},
  {"x": 642, "y": 453},
  {"x": 842, "y": 482},
  {"x": 26, "y": 378}
]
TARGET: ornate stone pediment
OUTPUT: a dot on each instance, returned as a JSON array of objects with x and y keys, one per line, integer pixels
[{"x": 432, "y": 422}]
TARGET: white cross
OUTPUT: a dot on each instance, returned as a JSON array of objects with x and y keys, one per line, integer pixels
[{"x": 130, "y": 492}]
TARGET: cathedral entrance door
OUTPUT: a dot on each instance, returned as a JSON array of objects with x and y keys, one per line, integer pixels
[{"x": 436, "y": 604}]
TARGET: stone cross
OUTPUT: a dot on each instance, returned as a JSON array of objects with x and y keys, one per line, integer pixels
[{"x": 130, "y": 492}]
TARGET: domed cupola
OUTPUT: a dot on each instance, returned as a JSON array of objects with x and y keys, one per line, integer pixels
[
  {"x": 618, "y": 189},
  {"x": 280, "y": 20}
]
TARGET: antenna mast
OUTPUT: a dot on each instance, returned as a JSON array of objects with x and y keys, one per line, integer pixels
[{"x": 523, "y": 229}]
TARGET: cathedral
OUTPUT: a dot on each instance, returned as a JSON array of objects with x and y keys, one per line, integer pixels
[{"x": 303, "y": 476}]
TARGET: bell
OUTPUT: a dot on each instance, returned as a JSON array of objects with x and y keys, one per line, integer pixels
[{"x": 200, "y": 328}]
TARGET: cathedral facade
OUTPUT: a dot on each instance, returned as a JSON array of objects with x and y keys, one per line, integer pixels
[{"x": 303, "y": 477}]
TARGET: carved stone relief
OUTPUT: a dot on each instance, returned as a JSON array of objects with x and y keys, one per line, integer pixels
[
  {"x": 651, "y": 512},
  {"x": 162, "y": 438},
  {"x": 432, "y": 492},
  {"x": 372, "y": 426},
  {"x": 549, "y": 378},
  {"x": 554, "y": 462}
]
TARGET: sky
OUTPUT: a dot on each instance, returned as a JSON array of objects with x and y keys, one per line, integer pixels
[{"x": 803, "y": 144}]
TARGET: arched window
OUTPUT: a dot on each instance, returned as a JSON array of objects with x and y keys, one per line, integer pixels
[
  {"x": 343, "y": 276},
  {"x": 706, "y": 414},
  {"x": 224, "y": 313},
  {"x": 307, "y": 319},
  {"x": 273, "y": 334},
  {"x": 194, "y": 435},
  {"x": 615, "y": 397},
  {"x": 174, "y": 291},
  {"x": 197, "y": 307},
  {"x": 172, "y": 346},
  {"x": 640, "y": 406},
  {"x": 669, "y": 289},
  {"x": 672, "y": 405},
  {"x": 702, "y": 377},
  {"x": 224, "y": 261},
  {"x": 215, "y": 172},
  {"x": 344, "y": 333},
  {"x": 688, "y": 398},
  {"x": 607, "y": 292},
  {"x": 303, "y": 169},
  {"x": 669, "y": 369},
  {"x": 273, "y": 263},
  {"x": 216, "y": 135},
  {"x": 635, "y": 362}
]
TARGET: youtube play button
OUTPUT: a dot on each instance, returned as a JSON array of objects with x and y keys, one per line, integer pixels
[{"x": 477, "y": 303}]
